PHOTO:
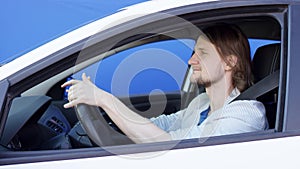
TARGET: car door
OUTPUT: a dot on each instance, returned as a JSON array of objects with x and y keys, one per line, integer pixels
[{"x": 270, "y": 148}]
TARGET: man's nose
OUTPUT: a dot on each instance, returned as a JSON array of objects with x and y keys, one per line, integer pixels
[{"x": 193, "y": 60}]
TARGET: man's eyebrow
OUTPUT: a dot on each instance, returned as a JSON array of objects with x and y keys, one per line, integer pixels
[{"x": 200, "y": 48}]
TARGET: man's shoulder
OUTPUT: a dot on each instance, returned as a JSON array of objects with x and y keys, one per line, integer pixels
[
  {"x": 245, "y": 107},
  {"x": 252, "y": 103}
]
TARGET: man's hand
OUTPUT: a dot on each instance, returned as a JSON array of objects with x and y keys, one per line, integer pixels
[{"x": 81, "y": 92}]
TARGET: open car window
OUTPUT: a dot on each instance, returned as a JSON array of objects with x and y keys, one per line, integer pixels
[
  {"x": 136, "y": 71},
  {"x": 158, "y": 68}
]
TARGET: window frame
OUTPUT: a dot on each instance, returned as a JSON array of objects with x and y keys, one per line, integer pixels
[{"x": 291, "y": 106}]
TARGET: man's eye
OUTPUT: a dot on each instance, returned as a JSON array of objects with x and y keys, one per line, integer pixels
[
  {"x": 200, "y": 52},
  {"x": 203, "y": 52}
]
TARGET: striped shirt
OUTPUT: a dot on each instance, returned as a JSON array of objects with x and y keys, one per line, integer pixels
[{"x": 236, "y": 117}]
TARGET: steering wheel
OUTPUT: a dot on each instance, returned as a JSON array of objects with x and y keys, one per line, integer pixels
[{"x": 97, "y": 127}]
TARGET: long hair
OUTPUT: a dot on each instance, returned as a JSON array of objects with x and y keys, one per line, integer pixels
[{"x": 230, "y": 40}]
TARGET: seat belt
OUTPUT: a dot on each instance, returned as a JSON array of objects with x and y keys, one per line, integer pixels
[{"x": 265, "y": 85}]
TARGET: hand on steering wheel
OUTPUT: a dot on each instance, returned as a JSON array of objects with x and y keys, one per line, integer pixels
[
  {"x": 97, "y": 128},
  {"x": 83, "y": 95}
]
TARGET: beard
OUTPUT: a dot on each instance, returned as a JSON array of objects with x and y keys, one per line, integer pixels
[{"x": 200, "y": 81}]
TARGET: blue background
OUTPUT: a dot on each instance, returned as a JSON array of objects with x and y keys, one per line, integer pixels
[{"x": 28, "y": 24}]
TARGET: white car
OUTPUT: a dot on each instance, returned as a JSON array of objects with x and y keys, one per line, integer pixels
[{"x": 149, "y": 43}]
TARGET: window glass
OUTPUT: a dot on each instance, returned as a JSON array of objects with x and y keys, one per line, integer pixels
[{"x": 154, "y": 67}]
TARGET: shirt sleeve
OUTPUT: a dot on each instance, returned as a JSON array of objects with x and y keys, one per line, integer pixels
[{"x": 169, "y": 122}]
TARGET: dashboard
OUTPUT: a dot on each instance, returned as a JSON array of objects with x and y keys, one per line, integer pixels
[{"x": 34, "y": 123}]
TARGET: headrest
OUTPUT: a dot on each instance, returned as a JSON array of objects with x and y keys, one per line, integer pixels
[{"x": 266, "y": 61}]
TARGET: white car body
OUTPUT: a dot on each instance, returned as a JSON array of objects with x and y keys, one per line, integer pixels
[
  {"x": 271, "y": 150},
  {"x": 248, "y": 155}
]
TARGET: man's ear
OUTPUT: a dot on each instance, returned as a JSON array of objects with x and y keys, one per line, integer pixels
[{"x": 231, "y": 62}]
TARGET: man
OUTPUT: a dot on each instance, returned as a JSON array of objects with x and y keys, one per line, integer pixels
[{"x": 221, "y": 63}]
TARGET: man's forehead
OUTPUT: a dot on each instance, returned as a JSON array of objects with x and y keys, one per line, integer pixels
[{"x": 203, "y": 42}]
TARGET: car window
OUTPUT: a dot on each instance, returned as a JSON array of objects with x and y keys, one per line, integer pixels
[
  {"x": 145, "y": 64},
  {"x": 154, "y": 67}
]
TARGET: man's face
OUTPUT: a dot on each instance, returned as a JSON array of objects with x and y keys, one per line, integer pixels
[{"x": 207, "y": 65}]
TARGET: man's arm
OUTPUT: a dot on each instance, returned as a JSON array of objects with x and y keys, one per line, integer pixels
[{"x": 136, "y": 127}]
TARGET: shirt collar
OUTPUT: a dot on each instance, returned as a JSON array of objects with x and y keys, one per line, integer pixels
[{"x": 234, "y": 93}]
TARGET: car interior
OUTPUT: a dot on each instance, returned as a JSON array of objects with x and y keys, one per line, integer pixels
[
  {"x": 38, "y": 121},
  {"x": 265, "y": 62}
]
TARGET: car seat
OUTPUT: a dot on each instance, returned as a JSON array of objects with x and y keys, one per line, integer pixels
[{"x": 266, "y": 61}]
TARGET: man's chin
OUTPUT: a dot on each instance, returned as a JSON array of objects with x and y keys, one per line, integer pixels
[
  {"x": 200, "y": 82},
  {"x": 193, "y": 80}
]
